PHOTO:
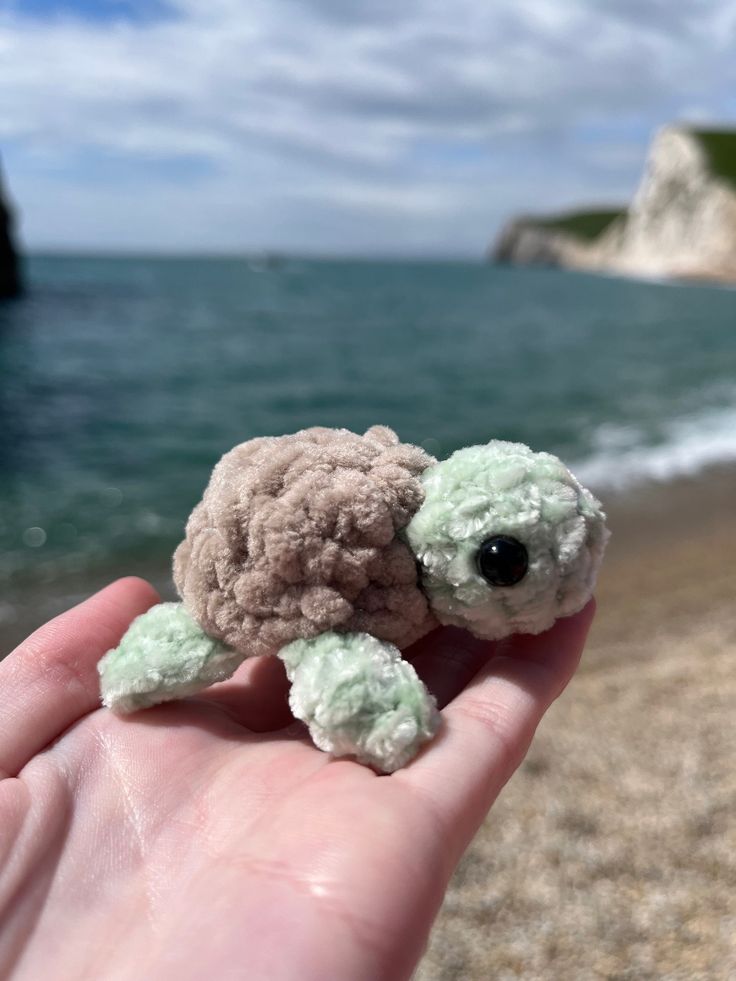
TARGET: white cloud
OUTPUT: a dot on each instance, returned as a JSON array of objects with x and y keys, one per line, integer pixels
[{"x": 343, "y": 124}]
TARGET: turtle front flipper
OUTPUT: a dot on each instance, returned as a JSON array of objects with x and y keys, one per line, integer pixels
[
  {"x": 164, "y": 655},
  {"x": 359, "y": 698}
]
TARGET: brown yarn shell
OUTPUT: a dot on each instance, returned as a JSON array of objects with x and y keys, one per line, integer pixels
[{"x": 296, "y": 535}]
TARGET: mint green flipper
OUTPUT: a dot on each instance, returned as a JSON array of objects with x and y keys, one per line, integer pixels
[
  {"x": 359, "y": 698},
  {"x": 164, "y": 655}
]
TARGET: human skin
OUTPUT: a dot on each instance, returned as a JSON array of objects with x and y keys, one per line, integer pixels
[{"x": 209, "y": 838}]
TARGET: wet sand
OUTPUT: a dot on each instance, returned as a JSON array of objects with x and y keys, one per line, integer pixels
[{"x": 612, "y": 852}]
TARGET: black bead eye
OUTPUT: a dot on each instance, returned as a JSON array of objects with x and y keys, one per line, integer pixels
[{"x": 502, "y": 560}]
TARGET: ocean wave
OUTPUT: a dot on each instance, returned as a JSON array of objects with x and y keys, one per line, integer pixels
[{"x": 626, "y": 456}]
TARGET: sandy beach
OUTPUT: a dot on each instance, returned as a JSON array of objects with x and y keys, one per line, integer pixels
[{"x": 612, "y": 852}]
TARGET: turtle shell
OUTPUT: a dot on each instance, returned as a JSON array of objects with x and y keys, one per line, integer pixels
[{"x": 299, "y": 534}]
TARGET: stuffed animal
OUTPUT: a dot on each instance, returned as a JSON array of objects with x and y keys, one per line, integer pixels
[{"x": 334, "y": 551}]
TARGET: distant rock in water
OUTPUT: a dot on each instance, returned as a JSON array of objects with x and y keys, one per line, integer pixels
[
  {"x": 10, "y": 282},
  {"x": 680, "y": 224}
]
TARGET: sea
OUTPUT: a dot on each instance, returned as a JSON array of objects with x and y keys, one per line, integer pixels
[{"x": 122, "y": 380}]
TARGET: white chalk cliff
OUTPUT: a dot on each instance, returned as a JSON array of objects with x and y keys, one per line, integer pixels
[{"x": 680, "y": 224}]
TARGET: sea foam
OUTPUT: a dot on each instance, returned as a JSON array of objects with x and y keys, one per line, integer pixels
[{"x": 688, "y": 444}]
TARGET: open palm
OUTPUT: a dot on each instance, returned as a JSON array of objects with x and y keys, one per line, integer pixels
[{"x": 209, "y": 838}]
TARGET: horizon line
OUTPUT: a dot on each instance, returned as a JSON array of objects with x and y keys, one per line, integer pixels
[{"x": 248, "y": 255}]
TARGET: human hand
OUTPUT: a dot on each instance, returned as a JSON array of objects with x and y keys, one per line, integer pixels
[{"x": 209, "y": 838}]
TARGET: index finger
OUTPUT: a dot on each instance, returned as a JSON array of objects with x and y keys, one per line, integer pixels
[
  {"x": 50, "y": 680},
  {"x": 488, "y": 727}
]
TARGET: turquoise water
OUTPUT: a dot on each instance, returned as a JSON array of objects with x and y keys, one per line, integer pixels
[{"x": 123, "y": 380}]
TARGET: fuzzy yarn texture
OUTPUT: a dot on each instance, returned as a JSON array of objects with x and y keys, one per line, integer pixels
[
  {"x": 334, "y": 551},
  {"x": 506, "y": 489},
  {"x": 297, "y": 535},
  {"x": 360, "y": 698},
  {"x": 163, "y": 655}
]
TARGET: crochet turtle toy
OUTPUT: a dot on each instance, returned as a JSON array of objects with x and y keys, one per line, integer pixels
[{"x": 334, "y": 551}]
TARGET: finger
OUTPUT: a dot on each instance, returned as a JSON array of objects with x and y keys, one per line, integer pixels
[
  {"x": 448, "y": 659},
  {"x": 51, "y": 680},
  {"x": 488, "y": 727},
  {"x": 257, "y": 695}
]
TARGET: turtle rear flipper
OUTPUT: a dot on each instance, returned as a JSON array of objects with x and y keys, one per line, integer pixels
[
  {"x": 164, "y": 655},
  {"x": 359, "y": 698}
]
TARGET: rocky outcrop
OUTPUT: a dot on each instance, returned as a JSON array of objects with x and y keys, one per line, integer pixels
[
  {"x": 524, "y": 242},
  {"x": 10, "y": 283},
  {"x": 560, "y": 240},
  {"x": 680, "y": 224}
]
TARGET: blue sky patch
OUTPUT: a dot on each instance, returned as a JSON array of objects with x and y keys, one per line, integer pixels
[
  {"x": 140, "y": 11},
  {"x": 88, "y": 166}
]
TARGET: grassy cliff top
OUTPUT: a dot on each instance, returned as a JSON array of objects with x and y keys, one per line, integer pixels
[
  {"x": 586, "y": 225},
  {"x": 720, "y": 149}
]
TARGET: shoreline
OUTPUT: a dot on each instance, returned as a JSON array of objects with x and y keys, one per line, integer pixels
[
  {"x": 664, "y": 559},
  {"x": 670, "y": 558}
]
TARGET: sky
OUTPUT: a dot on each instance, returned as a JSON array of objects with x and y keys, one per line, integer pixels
[{"x": 355, "y": 127}]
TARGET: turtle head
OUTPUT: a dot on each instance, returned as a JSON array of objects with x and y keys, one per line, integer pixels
[{"x": 507, "y": 540}]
